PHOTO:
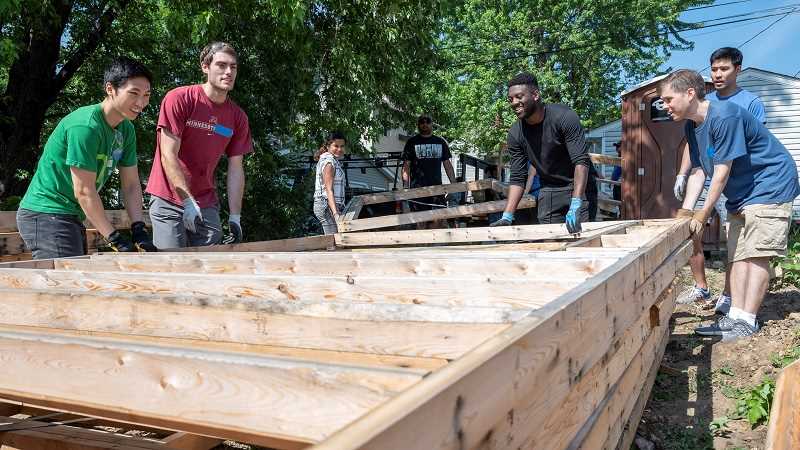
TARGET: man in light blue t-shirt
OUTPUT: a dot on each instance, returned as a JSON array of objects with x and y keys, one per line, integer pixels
[
  {"x": 726, "y": 63},
  {"x": 757, "y": 175}
]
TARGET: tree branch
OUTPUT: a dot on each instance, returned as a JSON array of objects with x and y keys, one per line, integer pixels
[{"x": 92, "y": 42}]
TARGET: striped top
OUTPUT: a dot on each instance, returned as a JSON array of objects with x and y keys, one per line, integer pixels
[{"x": 338, "y": 179}]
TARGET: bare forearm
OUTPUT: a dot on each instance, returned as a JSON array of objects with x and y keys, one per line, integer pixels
[
  {"x": 92, "y": 206},
  {"x": 579, "y": 181},
  {"x": 175, "y": 175},
  {"x": 448, "y": 169},
  {"x": 514, "y": 195},
  {"x": 235, "y": 191},
  {"x": 718, "y": 182},
  {"x": 686, "y": 163},
  {"x": 133, "y": 201},
  {"x": 694, "y": 186}
]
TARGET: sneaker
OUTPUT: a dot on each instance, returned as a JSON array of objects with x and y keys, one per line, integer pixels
[
  {"x": 717, "y": 328},
  {"x": 694, "y": 294},
  {"x": 740, "y": 329},
  {"x": 723, "y": 305}
]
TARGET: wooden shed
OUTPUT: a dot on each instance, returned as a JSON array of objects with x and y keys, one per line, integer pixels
[{"x": 491, "y": 338}]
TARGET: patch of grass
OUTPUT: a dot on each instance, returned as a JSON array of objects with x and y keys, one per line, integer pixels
[
  {"x": 783, "y": 359},
  {"x": 719, "y": 425},
  {"x": 687, "y": 439},
  {"x": 730, "y": 391},
  {"x": 725, "y": 370}
]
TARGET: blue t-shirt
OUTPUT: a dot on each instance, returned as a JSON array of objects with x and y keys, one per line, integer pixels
[
  {"x": 762, "y": 170},
  {"x": 746, "y": 100}
]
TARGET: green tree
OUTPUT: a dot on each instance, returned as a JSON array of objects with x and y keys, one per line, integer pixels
[{"x": 583, "y": 53}]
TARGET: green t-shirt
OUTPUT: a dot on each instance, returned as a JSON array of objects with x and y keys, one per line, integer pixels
[{"x": 82, "y": 139}]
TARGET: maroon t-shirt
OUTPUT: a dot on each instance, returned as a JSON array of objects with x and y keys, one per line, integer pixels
[{"x": 207, "y": 130}]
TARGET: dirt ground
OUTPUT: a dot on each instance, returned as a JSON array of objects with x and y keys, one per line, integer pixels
[{"x": 701, "y": 378}]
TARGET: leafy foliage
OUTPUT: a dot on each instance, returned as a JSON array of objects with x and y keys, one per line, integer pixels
[
  {"x": 790, "y": 264},
  {"x": 754, "y": 404},
  {"x": 582, "y": 52}
]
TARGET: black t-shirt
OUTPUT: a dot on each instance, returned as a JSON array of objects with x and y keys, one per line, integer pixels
[
  {"x": 554, "y": 147},
  {"x": 425, "y": 156}
]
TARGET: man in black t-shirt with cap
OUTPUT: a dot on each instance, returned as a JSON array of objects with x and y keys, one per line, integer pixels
[
  {"x": 423, "y": 156},
  {"x": 549, "y": 136}
]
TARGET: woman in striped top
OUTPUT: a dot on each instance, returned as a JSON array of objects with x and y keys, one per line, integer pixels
[{"x": 329, "y": 184}]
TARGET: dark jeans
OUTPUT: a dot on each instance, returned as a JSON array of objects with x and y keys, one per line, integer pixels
[
  {"x": 49, "y": 235},
  {"x": 553, "y": 204},
  {"x": 426, "y": 203}
]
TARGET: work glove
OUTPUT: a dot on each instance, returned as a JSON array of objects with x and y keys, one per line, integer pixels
[
  {"x": 191, "y": 214},
  {"x": 573, "y": 221},
  {"x": 680, "y": 187},
  {"x": 118, "y": 243},
  {"x": 506, "y": 220},
  {"x": 698, "y": 221},
  {"x": 235, "y": 235},
  {"x": 141, "y": 239},
  {"x": 684, "y": 214}
]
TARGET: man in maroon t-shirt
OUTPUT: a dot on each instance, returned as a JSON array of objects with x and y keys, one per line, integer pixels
[{"x": 196, "y": 125}]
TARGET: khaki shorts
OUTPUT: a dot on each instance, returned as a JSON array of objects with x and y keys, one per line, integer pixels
[{"x": 759, "y": 231}]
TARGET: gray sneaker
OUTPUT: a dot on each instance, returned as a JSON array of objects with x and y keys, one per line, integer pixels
[
  {"x": 723, "y": 305},
  {"x": 717, "y": 328},
  {"x": 740, "y": 329}
]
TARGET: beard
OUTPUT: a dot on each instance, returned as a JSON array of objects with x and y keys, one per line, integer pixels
[{"x": 528, "y": 110}]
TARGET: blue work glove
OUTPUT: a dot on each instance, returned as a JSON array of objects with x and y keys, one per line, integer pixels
[
  {"x": 574, "y": 216},
  {"x": 506, "y": 220}
]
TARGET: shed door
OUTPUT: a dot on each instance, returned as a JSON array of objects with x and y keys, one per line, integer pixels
[{"x": 657, "y": 162}]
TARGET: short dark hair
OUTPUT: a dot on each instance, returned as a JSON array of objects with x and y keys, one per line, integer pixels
[
  {"x": 526, "y": 79},
  {"x": 207, "y": 55},
  {"x": 123, "y": 69},
  {"x": 683, "y": 79},
  {"x": 424, "y": 118},
  {"x": 727, "y": 53}
]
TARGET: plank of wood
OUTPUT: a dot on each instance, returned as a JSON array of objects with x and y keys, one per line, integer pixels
[
  {"x": 606, "y": 426},
  {"x": 353, "y": 209},
  {"x": 567, "y": 423},
  {"x": 11, "y": 243},
  {"x": 428, "y": 191},
  {"x": 469, "y": 291},
  {"x": 610, "y": 182},
  {"x": 159, "y": 317},
  {"x": 322, "y": 242},
  {"x": 465, "y": 235},
  {"x": 47, "y": 436},
  {"x": 608, "y": 204},
  {"x": 29, "y": 264},
  {"x": 525, "y": 246},
  {"x": 606, "y": 159},
  {"x": 254, "y": 399},
  {"x": 354, "y": 264},
  {"x": 8, "y": 221},
  {"x": 784, "y": 419},
  {"x": 188, "y": 441},
  {"x": 373, "y": 223},
  {"x": 529, "y": 366},
  {"x": 18, "y": 257}
]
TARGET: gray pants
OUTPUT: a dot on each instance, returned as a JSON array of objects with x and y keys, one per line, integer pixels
[
  {"x": 325, "y": 215},
  {"x": 553, "y": 204},
  {"x": 49, "y": 235},
  {"x": 168, "y": 229}
]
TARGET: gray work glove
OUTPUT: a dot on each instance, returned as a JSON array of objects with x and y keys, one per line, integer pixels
[
  {"x": 680, "y": 187},
  {"x": 191, "y": 214},
  {"x": 236, "y": 234}
]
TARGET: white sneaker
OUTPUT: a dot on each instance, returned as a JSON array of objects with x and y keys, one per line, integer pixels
[
  {"x": 723, "y": 304},
  {"x": 694, "y": 294}
]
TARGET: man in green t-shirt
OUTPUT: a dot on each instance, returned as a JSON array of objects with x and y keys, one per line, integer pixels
[{"x": 79, "y": 156}]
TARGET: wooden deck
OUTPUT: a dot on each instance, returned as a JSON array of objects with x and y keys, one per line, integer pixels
[{"x": 516, "y": 337}]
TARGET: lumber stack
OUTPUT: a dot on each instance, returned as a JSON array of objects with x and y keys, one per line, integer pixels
[{"x": 515, "y": 337}]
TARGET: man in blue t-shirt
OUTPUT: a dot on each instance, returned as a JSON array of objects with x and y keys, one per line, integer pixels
[
  {"x": 757, "y": 175},
  {"x": 726, "y": 63}
]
